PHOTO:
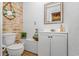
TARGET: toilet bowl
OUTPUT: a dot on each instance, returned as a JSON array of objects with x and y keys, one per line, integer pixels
[{"x": 13, "y": 48}]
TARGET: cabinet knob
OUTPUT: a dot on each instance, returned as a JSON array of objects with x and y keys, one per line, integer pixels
[{"x": 49, "y": 36}]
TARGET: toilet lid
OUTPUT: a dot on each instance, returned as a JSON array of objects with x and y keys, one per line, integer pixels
[{"x": 15, "y": 46}]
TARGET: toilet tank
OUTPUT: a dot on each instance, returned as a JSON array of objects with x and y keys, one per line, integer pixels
[{"x": 9, "y": 38}]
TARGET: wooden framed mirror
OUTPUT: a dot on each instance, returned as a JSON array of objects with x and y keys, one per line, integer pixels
[{"x": 53, "y": 13}]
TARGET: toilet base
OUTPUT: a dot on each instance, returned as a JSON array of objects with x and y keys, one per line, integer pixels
[{"x": 15, "y": 52}]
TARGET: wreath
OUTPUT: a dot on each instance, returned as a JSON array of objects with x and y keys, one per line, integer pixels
[{"x": 8, "y": 11}]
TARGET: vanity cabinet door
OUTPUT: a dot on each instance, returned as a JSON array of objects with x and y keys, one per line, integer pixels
[
  {"x": 59, "y": 45},
  {"x": 44, "y": 44}
]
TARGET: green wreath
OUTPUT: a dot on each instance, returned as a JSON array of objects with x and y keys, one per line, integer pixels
[{"x": 5, "y": 10}]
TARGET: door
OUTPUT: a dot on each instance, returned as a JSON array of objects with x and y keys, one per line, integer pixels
[
  {"x": 44, "y": 44},
  {"x": 59, "y": 45}
]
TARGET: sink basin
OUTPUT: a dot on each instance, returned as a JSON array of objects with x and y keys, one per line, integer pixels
[{"x": 52, "y": 30}]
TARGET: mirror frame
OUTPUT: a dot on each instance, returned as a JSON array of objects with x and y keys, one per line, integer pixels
[{"x": 50, "y": 5}]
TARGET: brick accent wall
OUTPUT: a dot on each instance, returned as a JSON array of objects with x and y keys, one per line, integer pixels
[{"x": 15, "y": 25}]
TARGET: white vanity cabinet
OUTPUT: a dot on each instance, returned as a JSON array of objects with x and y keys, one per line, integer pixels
[
  {"x": 52, "y": 44},
  {"x": 43, "y": 44}
]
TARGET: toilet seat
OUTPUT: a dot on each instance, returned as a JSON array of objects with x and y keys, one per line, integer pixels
[
  {"x": 15, "y": 46},
  {"x": 15, "y": 49}
]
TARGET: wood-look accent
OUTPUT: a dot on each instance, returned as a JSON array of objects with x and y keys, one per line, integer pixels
[{"x": 28, "y": 53}]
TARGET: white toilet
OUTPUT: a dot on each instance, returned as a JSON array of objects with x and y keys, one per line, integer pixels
[{"x": 13, "y": 48}]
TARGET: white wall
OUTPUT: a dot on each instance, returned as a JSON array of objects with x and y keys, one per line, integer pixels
[
  {"x": 28, "y": 19},
  {"x": 35, "y": 12},
  {"x": 71, "y": 19}
]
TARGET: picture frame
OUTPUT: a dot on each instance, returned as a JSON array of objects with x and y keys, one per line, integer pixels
[{"x": 53, "y": 13}]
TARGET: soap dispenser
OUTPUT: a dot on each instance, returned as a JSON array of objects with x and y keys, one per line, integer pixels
[{"x": 62, "y": 28}]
